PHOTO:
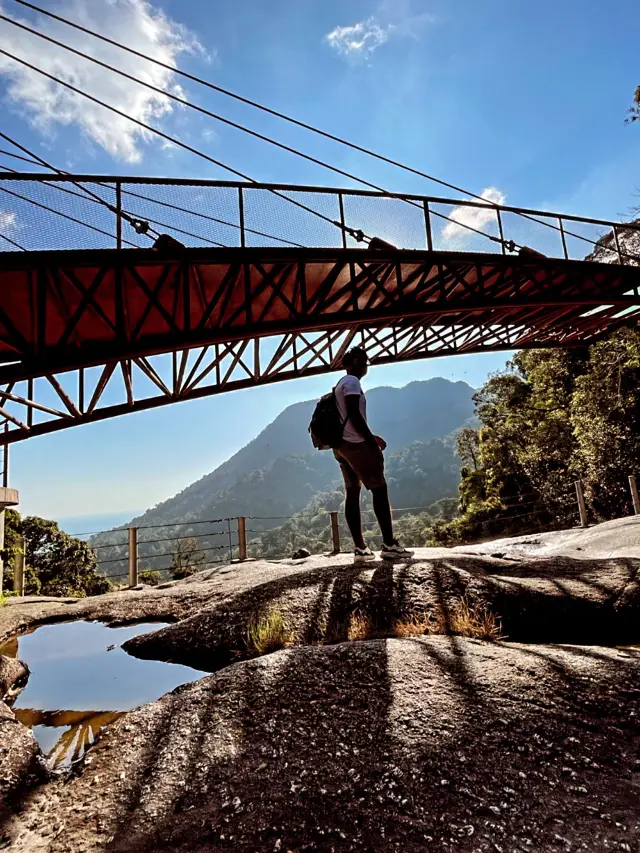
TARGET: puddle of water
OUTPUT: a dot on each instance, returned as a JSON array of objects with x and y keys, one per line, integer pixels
[{"x": 81, "y": 680}]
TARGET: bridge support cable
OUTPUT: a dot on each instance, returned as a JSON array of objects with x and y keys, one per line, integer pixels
[
  {"x": 12, "y": 242},
  {"x": 255, "y": 104},
  {"x": 179, "y": 209},
  {"x": 509, "y": 245},
  {"x": 201, "y": 237},
  {"x": 138, "y": 225},
  {"x": 356, "y": 234},
  {"x": 60, "y": 213}
]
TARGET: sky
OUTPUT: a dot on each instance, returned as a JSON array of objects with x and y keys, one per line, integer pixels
[{"x": 520, "y": 102}]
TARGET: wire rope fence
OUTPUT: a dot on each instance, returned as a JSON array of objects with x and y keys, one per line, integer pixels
[
  {"x": 137, "y": 554},
  {"x": 47, "y": 212}
]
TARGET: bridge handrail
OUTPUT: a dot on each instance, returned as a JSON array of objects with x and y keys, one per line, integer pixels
[{"x": 47, "y": 177}]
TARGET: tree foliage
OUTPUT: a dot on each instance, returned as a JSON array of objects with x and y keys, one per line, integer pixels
[
  {"x": 149, "y": 577},
  {"x": 634, "y": 109},
  {"x": 186, "y": 559},
  {"x": 552, "y": 417},
  {"x": 55, "y": 562}
]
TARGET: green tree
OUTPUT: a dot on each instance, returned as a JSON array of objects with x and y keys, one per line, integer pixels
[
  {"x": 634, "y": 109},
  {"x": 55, "y": 562},
  {"x": 186, "y": 559},
  {"x": 12, "y": 547},
  {"x": 468, "y": 447},
  {"x": 149, "y": 577},
  {"x": 605, "y": 417}
]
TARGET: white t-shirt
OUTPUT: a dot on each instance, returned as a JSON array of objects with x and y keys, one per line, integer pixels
[{"x": 350, "y": 385}]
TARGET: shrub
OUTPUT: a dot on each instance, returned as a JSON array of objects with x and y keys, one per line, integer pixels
[
  {"x": 268, "y": 633},
  {"x": 150, "y": 577}
]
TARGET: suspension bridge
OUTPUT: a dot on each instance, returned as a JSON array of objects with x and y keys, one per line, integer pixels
[{"x": 260, "y": 283}]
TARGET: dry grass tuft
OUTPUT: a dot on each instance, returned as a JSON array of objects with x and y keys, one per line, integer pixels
[
  {"x": 475, "y": 621},
  {"x": 418, "y": 625},
  {"x": 360, "y": 628},
  {"x": 463, "y": 619},
  {"x": 268, "y": 633}
]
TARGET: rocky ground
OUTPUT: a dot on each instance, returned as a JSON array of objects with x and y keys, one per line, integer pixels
[{"x": 422, "y": 743}]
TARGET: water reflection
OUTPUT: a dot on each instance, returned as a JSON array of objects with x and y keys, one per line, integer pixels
[
  {"x": 81, "y": 730},
  {"x": 76, "y": 666}
]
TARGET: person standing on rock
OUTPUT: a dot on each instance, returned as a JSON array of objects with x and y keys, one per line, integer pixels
[{"x": 361, "y": 459}]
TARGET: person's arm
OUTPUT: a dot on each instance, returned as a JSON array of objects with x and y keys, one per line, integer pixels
[{"x": 355, "y": 416}]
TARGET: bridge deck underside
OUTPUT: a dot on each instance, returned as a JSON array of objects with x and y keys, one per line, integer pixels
[{"x": 210, "y": 311}]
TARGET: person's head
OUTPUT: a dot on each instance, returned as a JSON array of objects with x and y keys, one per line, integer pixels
[{"x": 355, "y": 362}]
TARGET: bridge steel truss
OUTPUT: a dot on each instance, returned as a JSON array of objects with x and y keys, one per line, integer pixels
[{"x": 88, "y": 335}]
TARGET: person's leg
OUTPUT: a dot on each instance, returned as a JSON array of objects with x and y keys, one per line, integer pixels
[
  {"x": 353, "y": 517},
  {"x": 352, "y": 500},
  {"x": 382, "y": 509}
]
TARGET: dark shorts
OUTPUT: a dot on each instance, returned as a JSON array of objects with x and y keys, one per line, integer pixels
[{"x": 361, "y": 463}]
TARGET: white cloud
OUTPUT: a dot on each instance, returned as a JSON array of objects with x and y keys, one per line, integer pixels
[
  {"x": 358, "y": 40},
  {"x": 134, "y": 22},
  {"x": 7, "y": 220},
  {"x": 473, "y": 217},
  {"x": 393, "y": 18}
]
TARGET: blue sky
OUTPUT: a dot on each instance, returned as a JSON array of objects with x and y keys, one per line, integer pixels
[{"x": 524, "y": 99}]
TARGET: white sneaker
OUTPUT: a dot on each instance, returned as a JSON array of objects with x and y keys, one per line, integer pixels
[
  {"x": 363, "y": 555},
  {"x": 395, "y": 551}
]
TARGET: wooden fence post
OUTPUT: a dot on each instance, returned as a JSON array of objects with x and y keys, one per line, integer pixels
[
  {"x": 633, "y": 485},
  {"x": 18, "y": 568},
  {"x": 242, "y": 537},
  {"x": 335, "y": 532},
  {"x": 133, "y": 556},
  {"x": 584, "y": 521}
]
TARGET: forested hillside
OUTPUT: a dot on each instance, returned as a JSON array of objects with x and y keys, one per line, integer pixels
[
  {"x": 279, "y": 474},
  {"x": 418, "y": 412},
  {"x": 553, "y": 417}
]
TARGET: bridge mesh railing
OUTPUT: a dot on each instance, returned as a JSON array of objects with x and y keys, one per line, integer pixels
[{"x": 54, "y": 212}]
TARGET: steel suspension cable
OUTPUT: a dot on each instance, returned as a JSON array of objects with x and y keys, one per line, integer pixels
[
  {"x": 173, "y": 140},
  {"x": 359, "y": 236},
  {"x": 54, "y": 186},
  {"x": 138, "y": 225},
  {"x": 13, "y": 242},
  {"x": 167, "y": 94},
  {"x": 63, "y": 215},
  {"x": 255, "y": 104},
  {"x": 166, "y": 204}
]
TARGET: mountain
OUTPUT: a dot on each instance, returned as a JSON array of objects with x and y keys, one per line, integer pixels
[
  {"x": 279, "y": 474},
  {"x": 420, "y": 411}
]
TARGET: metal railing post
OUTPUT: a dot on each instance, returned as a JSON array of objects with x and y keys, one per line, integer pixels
[
  {"x": 335, "y": 532},
  {"x": 342, "y": 221},
  {"x": 564, "y": 239},
  {"x": 501, "y": 231},
  {"x": 616, "y": 240},
  {"x": 118, "y": 215},
  {"x": 242, "y": 537},
  {"x": 584, "y": 521},
  {"x": 633, "y": 485},
  {"x": 427, "y": 225},
  {"x": 5, "y": 459},
  {"x": 18, "y": 568},
  {"x": 133, "y": 556},
  {"x": 243, "y": 242}
]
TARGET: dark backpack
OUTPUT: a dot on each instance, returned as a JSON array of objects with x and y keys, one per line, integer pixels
[{"x": 326, "y": 427}]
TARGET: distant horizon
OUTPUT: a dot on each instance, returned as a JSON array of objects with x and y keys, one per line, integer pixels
[
  {"x": 136, "y": 456},
  {"x": 84, "y": 524}
]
